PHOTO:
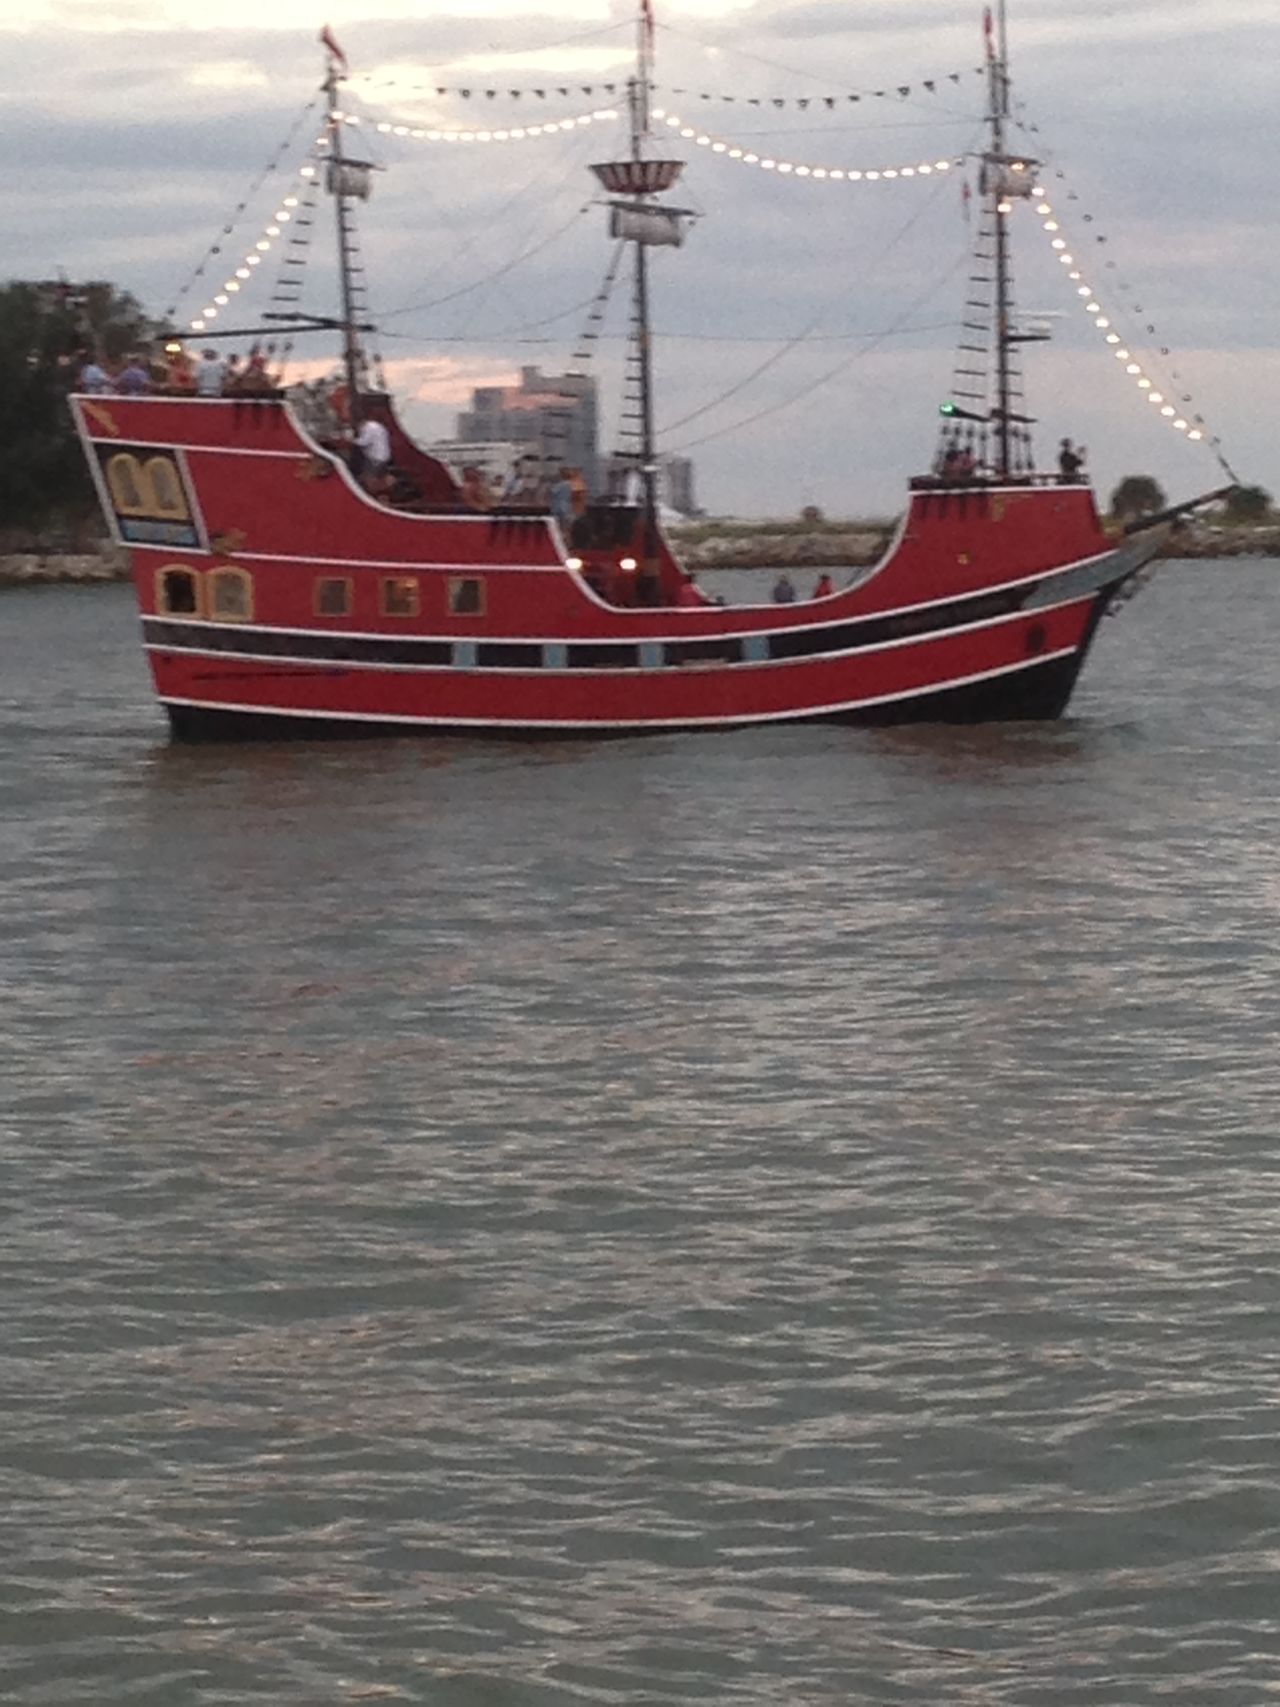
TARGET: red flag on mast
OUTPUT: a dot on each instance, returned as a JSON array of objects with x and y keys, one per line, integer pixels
[
  {"x": 989, "y": 32},
  {"x": 646, "y": 14},
  {"x": 327, "y": 40}
]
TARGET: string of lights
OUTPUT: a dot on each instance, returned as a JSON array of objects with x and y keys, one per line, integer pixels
[
  {"x": 1190, "y": 423},
  {"x": 252, "y": 258},
  {"x": 731, "y": 150},
  {"x": 228, "y": 229},
  {"x": 512, "y": 133}
]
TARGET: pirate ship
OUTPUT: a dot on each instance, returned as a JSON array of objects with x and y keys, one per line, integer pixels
[{"x": 281, "y": 593}]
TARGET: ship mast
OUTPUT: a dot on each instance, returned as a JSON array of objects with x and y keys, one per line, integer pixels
[
  {"x": 638, "y": 92},
  {"x": 342, "y": 181},
  {"x": 644, "y": 222},
  {"x": 1004, "y": 179}
]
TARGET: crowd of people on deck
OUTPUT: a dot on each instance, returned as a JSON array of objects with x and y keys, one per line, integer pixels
[
  {"x": 173, "y": 371},
  {"x": 959, "y": 465}
]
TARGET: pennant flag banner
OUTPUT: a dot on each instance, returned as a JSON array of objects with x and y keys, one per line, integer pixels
[{"x": 780, "y": 103}]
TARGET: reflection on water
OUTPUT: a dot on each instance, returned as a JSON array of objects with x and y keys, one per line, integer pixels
[{"x": 777, "y": 1217}]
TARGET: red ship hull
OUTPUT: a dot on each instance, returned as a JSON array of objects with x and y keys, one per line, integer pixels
[{"x": 277, "y": 597}]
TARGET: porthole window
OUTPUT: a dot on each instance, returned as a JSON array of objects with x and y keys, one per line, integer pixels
[
  {"x": 231, "y": 595},
  {"x": 177, "y": 592},
  {"x": 399, "y": 595},
  {"x": 466, "y": 596},
  {"x": 333, "y": 596}
]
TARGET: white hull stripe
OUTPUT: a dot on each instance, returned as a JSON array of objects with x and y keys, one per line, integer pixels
[{"x": 595, "y": 672}]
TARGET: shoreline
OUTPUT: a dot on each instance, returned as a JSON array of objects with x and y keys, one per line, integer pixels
[{"x": 699, "y": 546}]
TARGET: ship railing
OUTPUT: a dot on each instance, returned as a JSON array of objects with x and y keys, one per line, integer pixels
[{"x": 986, "y": 482}]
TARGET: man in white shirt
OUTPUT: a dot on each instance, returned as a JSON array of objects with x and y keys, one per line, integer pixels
[
  {"x": 373, "y": 447},
  {"x": 209, "y": 375}
]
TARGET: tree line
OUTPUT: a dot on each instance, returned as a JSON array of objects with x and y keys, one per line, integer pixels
[{"x": 48, "y": 330}]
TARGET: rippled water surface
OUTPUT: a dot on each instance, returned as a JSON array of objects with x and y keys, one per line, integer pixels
[{"x": 787, "y": 1217}]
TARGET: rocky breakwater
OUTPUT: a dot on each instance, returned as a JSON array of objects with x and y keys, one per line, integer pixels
[
  {"x": 766, "y": 545},
  {"x": 37, "y": 568}
]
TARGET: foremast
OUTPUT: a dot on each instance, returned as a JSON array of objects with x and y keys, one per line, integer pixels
[
  {"x": 346, "y": 179},
  {"x": 1004, "y": 180}
]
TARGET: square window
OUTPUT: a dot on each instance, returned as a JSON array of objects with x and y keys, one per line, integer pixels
[
  {"x": 333, "y": 596},
  {"x": 399, "y": 595},
  {"x": 466, "y": 596}
]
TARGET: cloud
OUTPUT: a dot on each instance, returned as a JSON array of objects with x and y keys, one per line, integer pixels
[{"x": 137, "y": 127}]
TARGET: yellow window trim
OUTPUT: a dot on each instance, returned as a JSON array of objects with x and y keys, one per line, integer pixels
[
  {"x": 139, "y": 488},
  {"x": 220, "y": 577},
  {"x": 163, "y": 607}
]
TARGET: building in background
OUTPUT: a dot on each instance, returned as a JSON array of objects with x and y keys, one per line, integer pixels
[
  {"x": 551, "y": 416},
  {"x": 675, "y": 482}
]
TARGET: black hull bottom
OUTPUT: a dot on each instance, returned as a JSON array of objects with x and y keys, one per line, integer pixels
[{"x": 1038, "y": 694}]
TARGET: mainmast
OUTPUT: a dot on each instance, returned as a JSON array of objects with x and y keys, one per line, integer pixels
[
  {"x": 644, "y": 223},
  {"x": 638, "y": 91}
]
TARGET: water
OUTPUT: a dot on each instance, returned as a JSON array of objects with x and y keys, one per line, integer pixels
[{"x": 787, "y": 1217}]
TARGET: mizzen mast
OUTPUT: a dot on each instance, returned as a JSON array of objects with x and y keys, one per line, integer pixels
[{"x": 1004, "y": 180}]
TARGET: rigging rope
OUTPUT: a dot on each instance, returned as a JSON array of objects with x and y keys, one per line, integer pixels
[
  {"x": 215, "y": 248},
  {"x": 800, "y": 337},
  {"x": 1192, "y": 424}
]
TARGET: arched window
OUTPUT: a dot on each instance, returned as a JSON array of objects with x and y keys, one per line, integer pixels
[
  {"x": 177, "y": 591},
  {"x": 163, "y": 488},
  {"x": 230, "y": 595},
  {"x": 124, "y": 477}
]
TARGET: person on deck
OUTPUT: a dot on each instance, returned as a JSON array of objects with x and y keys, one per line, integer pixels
[
  {"x": 474, "y": 490},
  {"x": 824, "y": 586},
  {"x": 94, "y": 378},
  {"x": 210, "y": 375},
  {"x": 182, "y": 372},
  {"x": 373, "y": 443},
  {"x": 1070, "y": 462},
  {"x": 689, "y": 594},
  {"x": 784, "y": 592},
  {"x": 560, "y": 499},
  {"x": 578, "y": 486},
  {"x": 134, "y": 378}
]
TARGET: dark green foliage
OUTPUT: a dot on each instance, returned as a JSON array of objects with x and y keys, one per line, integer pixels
[
  {"x": 1249, "y": 504},
  {"x": 46, "y": 333},
  {"x": 1137, "y": 495}
]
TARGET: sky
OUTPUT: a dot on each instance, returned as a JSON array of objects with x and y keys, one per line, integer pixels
[{"x": 805, "y": 333}]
